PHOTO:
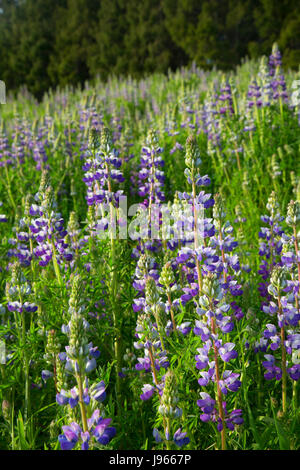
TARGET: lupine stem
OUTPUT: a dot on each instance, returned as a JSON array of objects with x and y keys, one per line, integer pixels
[
  {"x": 26, "y": 365},
  {"x": 219, "y": 392},
  {"x": 296, "y": 251},
  {"x": 159, "y": 329},
  {"x": 55, "y": 265},
  {"x": 153, "y": 365},
  {"x": 295, "y": 398},
  {"x": 81, "y": 403},
  {"x": 171, "y": 312},
  {"x": 10, "y": 196},
  {"x": 283, "y": 361},
  {"x": 114, "y": 282},
  {"x": 165, "y": 421},
  {"x": 222, "y": 254},
  {"x": 198, "y": 267},
  {"x": 168, "y": 426}
]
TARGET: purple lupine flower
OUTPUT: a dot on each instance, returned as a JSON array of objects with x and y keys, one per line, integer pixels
[
  {"x": 3, "y": 217},
  {"x": 180, "y": 438},
  {"x": 148, "y": 391},
  {"x": 70, "y": 437},
  {"x": 272, "y": 371},
  {"x": 79, "y": 359}
]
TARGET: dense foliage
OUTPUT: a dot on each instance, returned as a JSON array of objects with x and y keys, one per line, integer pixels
[
  {"x": 45, "y": 43},
  {"x": 152, "y": 342}
]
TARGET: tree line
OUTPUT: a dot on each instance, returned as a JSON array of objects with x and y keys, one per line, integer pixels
[{"x": 45, "y": 43}]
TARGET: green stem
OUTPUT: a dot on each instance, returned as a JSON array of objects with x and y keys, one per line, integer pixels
[
  {"x": 283, "y": 363},
  {"x": 26, "y": 370},
  {"x": 55, "y": 265},
  {"x": 159, "y": 329},
  {"x": 81, "y": 403},
  {"x": 219, "y": 392},
  {"x": 167, "y": 425},
  {"x": 10, "y": 196},
  {"x": 114, "y": 284},
  {"x": 196, "y": 241},
  {"x": 295, "y": 398}
]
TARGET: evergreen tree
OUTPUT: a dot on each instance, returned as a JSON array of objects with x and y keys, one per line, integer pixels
[
  {"x": 8, "y": 15},
  {"x": 276, "y": 22},
  {"x": 45, "y": 43},
  {"x": 107, "y": 53},
  {"x": 147, "y": 41},
  {"x": 289, "y": 40},
  {"x": 214, "y": 32},
  {"x": 74, "y": 38},
  {"x": 29, "y": 38}
]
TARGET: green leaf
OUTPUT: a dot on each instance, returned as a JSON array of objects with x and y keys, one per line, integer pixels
[
  {"x": 255, "y": 432},
  {"x": 284, "y": 442},
  {"x": 21, "y": 433}
]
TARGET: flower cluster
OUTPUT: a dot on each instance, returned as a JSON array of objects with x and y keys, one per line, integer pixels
[
  {"x": 278, "y": 83},
  {"x": 282, "y": 334},
  {"x": 102, "y": 168},
  {"x": 150, "y": 174},
  {"x": 214, "y": 321},
  {"x": 18, "y": 290},
  {"x": 149, "y": 335},
  {"x": 80, "y": 360},
  {"x": 271, "y": 246},
  {"x": 97, "y": 428},
  {"x": 170, "y": 412},
  {"x": 3, "y": 217},
  {"x": 40, "y": 233}
]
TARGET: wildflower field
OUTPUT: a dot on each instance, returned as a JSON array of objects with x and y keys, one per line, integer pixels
[{"x": 150, "y": 263}]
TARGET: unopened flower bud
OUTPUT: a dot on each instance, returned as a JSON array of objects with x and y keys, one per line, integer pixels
[
  {"x": 151, "y": 292},
  {"x": 6, "y": 409}
]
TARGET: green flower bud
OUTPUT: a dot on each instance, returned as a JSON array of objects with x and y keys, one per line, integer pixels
[
  {"x": 169, "y": 397},
  {"x": 151, "y": 292},
  {"x": 94, "y": 138},
  {"x": 44, "y": 183},
  {"x": 278, "y": 281},
  {"x": 275, "y": 168},
  {"x": 75, "y": 300},
  {"x": 143, "y": 264},
  {"x": 293, "y": 214},
  {"x": 272, "y": 204},
  {"x": 192, "y": 155},
  {"x": 54, "y": 429},
  {"x": 78, "y": 343},
  {"x": 73, "y": 222},
  {"x": 48, "y": 203},
  {"x": 219, "y": 213},
  {"x": 27, "y": 206},
  {"x": 167, "y": 276},
  {"x": 60, "y": 374},
  {"x": 52, "y": 347},
  {"x": 6, "y": 410},
  {"x": 246, "y": 182},
  {"x": 211, "y": 286},
  {"x": 105, "y": 140},
  {"x": 152, "y": 139}
]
